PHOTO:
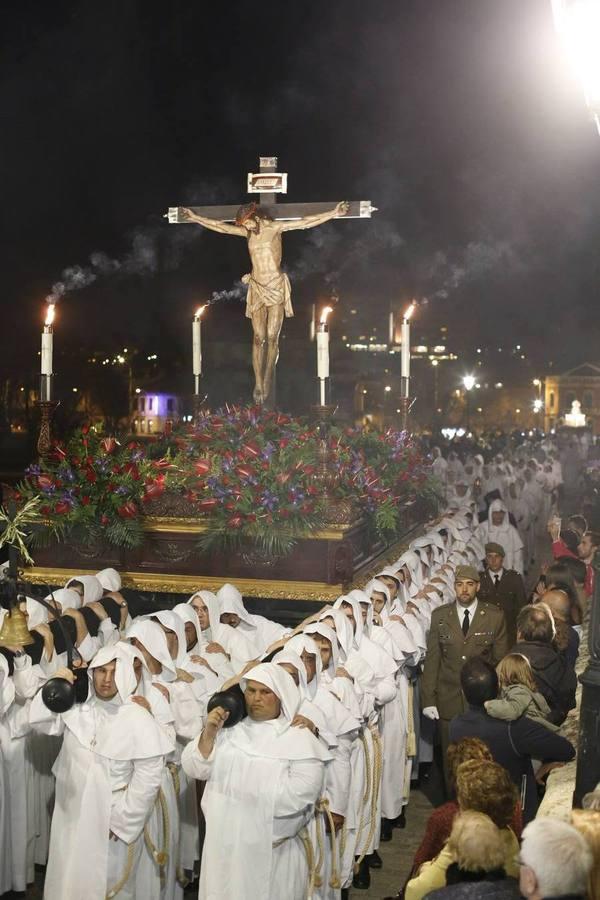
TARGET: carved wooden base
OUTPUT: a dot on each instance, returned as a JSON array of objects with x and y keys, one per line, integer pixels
[{"x": 44, "y": 442}]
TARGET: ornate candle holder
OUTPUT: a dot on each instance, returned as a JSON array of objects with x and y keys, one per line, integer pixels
[{"x": 44, "y": 442}]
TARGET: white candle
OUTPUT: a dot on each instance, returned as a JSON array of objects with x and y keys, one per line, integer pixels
[
  {"x": 392, "y": 329},
  {"x": 47, "y": 339},
  {"x": 197, "y": 343},
  {"x": 405, "y": 356},
  {"x": 323, "y": 352}
]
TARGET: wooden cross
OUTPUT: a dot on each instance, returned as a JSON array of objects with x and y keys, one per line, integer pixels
[{"x": 268, "y": 183}]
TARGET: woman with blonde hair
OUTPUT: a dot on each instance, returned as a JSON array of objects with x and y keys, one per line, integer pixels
[
  {"x": 483, "y": 787},
  {"x": 478, "y": 868},
  {"x": 519, "y": 695},
  {"x": 587, "y": 823},
  {"x": 439, "y": 824}
]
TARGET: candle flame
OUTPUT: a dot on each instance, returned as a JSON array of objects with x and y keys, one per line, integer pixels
[
  {"x": 199, "y": 311},
  {"x": 410, "y": 310},
  {"x": 325, "y": 312},
  {"x": 50, "y": 314}
]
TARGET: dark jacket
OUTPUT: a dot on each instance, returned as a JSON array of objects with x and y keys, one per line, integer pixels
[
  {"x": 505, "y": 889},
  {"x": 509, "y": 595},
  {"x": 556, "y": 680},
  {"x": 513, "y": 745}
]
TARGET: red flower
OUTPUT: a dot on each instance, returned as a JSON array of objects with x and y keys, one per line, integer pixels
[
  {"x": 162, "y": 464},
  {"x": 208, "y": 504},
  {"x": 132, "y": 470},
  {"x": 58, "y": 483},
  {"x": 85, "y": 429},
  {"x": 251, "y": 448},
  {"x": 75, "y": 461},
  {"x": 91, "y": 476},
  {"x": 133, "y": 445},
  {"x": 45, "y": 510},
  {"x": 85, "y": 501},
  {"x": 234, "y": 522},
  {"x": 283, "y": 443},
  {"x": 245, "y": 471},
  {"x": 62, "y": 508},
  {"x": 202, "y": 466},
  {"x": 282, "y": 477},
  {"x": 153, "y": 490},
  {"x": 44, "y": 482},
  {"x": 104, "y": 520},
  {"x": 128, "y": 510},
  {"x": 108, "y": 444}
]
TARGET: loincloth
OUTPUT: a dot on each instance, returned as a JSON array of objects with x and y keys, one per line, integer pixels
[{"x": 276, "y": 292}]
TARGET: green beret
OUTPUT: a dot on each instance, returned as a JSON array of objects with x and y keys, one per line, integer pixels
[
  {"x": 493, "y": 547},
  {"x": 469, "y": 572}
]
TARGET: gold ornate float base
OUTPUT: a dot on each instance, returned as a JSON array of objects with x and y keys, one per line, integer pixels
[{"x": 170, "y": 561}]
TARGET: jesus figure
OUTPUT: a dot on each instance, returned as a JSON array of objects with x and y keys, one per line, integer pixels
[{"x": 269, "y": 292}]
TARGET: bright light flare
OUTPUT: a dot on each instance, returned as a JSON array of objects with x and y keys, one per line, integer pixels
[
  {"x": 578, "y": 25},
  {"x": 199, "y": 311},
  {"x": 324, "y": 314},
  {"x": 469, "y": 382},
  {"x": 407, "y": 315},
  {"x": 50, "y": 314}
]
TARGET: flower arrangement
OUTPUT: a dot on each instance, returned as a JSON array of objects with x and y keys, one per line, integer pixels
[{"x": 253, "y": 474}]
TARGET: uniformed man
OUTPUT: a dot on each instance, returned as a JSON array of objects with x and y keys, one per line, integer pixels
[
  {"x": 468, "y": 627},
  {"x": 502, "y": 587}
]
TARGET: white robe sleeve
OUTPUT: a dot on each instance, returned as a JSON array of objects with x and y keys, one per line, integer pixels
[
  {"x": 27, "y": 678},
  {"x": 44, "y": 720},
  {"x": 131, "y": 807},
  {"x": 337, "y": 777},
  {"x": 299, "y": 786},
  {"x": 385, "y": 690},
  {"x": 193, "y": 762}
]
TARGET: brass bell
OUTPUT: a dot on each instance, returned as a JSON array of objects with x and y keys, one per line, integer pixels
[{"x": 14, "y": 631}]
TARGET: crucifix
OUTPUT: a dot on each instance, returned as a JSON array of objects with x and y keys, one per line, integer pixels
[{"x": 268, "y": 298}]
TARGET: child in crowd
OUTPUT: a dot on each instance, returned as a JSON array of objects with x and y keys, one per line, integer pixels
[{"x": 519, "y": 695}]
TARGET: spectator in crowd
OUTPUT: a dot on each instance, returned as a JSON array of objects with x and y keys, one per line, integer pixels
[
  {"x": 555, "y": 679},
  {"x": 478, "y": 868},
  {"x": 484, "y": 787},
  {"x": 439, "y": 824},
  {"x": 589, "y": 544},
  {"x": 512, "y": 744},
  {"x": 587, "y": 823},
  {"x": 518, "y": 693},
  {"x": 566, "y": 640},
  {"x": 555, "y": 861}
]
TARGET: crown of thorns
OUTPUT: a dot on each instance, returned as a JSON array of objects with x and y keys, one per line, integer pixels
[{"x": 248, "y": 211}]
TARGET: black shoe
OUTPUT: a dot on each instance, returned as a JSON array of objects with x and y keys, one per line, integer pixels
[
  {"x": 362, "y": 878},
  {"x": 374, "y": 860},
  {"x": 400, "y": 821},
  {"x": 387, "y": 826}
]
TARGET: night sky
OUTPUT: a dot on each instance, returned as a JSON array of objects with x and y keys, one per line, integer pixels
[{"x": 457, "y": 118}]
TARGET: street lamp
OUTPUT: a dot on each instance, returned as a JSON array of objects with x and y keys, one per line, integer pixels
[
  {"x": 469, "y": 384},
  {"x": 578, "y": 25}
]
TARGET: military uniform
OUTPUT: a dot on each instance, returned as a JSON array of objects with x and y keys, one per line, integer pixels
[
  {"x": 508, "y": 595},
  {"x": 448, "y": 650}
]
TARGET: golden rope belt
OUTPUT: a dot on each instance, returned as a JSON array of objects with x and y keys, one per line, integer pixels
[
  {"x": 375, "y": 782},
  {"x": 179, "y": 872},
  {"x": 128, "y": 863},
  {"x": 323, "y": 807}
]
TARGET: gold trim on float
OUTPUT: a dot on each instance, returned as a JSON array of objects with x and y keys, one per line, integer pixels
[
  {"x": 181, "y": 584},
  {"x": 178, "y": 525}
]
